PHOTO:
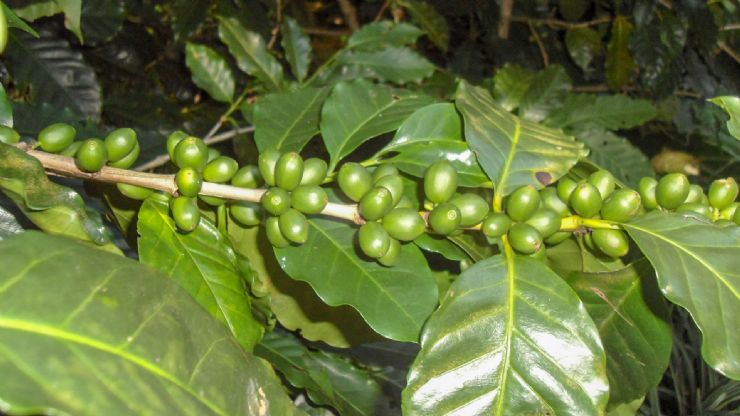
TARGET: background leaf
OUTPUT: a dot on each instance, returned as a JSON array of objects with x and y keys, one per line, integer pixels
[
  {"x": 545, "y": 94},
  {"x": 101, "y": 20},
  {"x": 617, "y": 155},
  {"x": 210, "y": 71},
  {"x": 9, "y": 225},
  {"x": 510, "y": 84},
  {"x": 297, "y": 48},
  {"x": 384, "y": 33},
  {"x": 288, "y": 120},
  {"x": 619, "y": 60},
  {"x": 610, "y": 112},
  {"x": 430, "y": 20},
  {"x": 395, "y": 64},
  {"x": 17, "y": 22},
  {"x": 187, "y": 16},
  {"x": 6, "y": 109},
  {"x": 732, "y": 106},
  {"x": 59, "y": 352},
  {"x": 584, "y": 45}
]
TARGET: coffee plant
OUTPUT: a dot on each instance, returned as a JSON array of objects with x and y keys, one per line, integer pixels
[{"x": 366, "y": 233}]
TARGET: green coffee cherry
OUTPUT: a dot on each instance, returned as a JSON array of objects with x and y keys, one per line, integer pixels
[
  {"x": 220, "y": 169},
  {"x": 213, "y": 201},
  {"x": 646, "y": 188},
  {"x": 696, "y": 208},
  {"x": 294, "y": 226},
  {"x": 524, "y": 238},
  {"x": 134, "y": 192},
  {"x": 391, "y": 257},
  {"x": 621, "y": 205},
  {"x": 289, "y": 171},
  {"x": 550, "y": 199},
  {"x": 188, "y": 182},
  {"x": 374, "y": 240},
  {"x": 545, "y": 221},
  {"x": 722, "y": 193},
  {"x": 185, "y": 212},
  {"x": 71, "y": 150},
  {"x": 246, "y": 213},
  {"x": 522, "y": 203},
  {"x": 613, "y": 243},
  {"x": 191, "y": 152},
  {"x": 384, "y": 169},
  {"x": 56, "y": 137},
  {"x": 440, "y": 181},
  {"x": 696, "y": 194},
  {"x": 212, "y": 154},
  {"x": 8, "y": 135},
  {"x": 404, "y": 224},
  {"x": 354, "y": 180},
  {"x": 736, "y": 217},
  {"x": 376, "y": 203},
  {"x": 128, "y": 160},
  {"x": 557, "y": 238},
  {"x": 393, "y": 183},
  {"x": 444, "y": 218},
  {"x": 586, "y": 200},
  {"x": 266, "y": 162},
  {"x": 274, "y": 235},
  {"x": 566, "y": 186},
  {"x": 672, "y": 190},
  {"x": 276, "y": 201},
  {"x": 119, "y": 143},
  {"x": 314, "y": 171},
  {"x": 309, "y": 199},
  {"x": 173, "y": 140},
  {"x": 729, "y": 212},
  {"x": 604, "y": 181},
  {"x": 473, "y": 208},
  {"x": 247, "y": 177},
  {"x": 91, "y": 156},
  {"x": 496, "y": 224}
]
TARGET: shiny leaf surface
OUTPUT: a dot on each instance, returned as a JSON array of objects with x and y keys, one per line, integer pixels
[
  {"x": 395, "y": 64},
  {"x": 297, "y": 48},
  {"x": 441, "y": 245},
  {"x": 510, "y": 84},
  {"x": 617, "y": 155},
  {"x": 210, "y": 71},
  {"x": 286, "y": 121}
]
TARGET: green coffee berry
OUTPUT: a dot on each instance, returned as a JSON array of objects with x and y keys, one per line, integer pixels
[
  {"x": 128, "y": 160},
  {"x": 289, "y": 171},
  {"x": 646, "y": 188},
  {"x": 696, "y": 194},
  {"x": 522, "y": 203},
  {"x": 188, "y": 182},
  {"x": 404, "y": 224},
  {"x": 440, "y": 181},
  {"x": 71, "y": 150},
  {"x": 309, "y": 199},
  {"x": 613, "y": 243},
  {"x": 566, "y": 186},
  {"x": 550, "y": 199},
  {"x": 586, "y": 200},
  {"x": 354, "y": 180},
  {"x": 314, "y": 171},
  {"x": 276, "y": 201},
  {"x": 191, "y": 152},
  {"x": 374, "y": 240},
  {"x": 185, "y": 212},
  {"x": 56, "y": 137},
  {"x": 393, "y": 183},
  {"x": 247, "y": 177},
  {"x": 294, "y": 226},
  {"x": 376, "y": 203},
  {"x": 91, "y": 156},
  {"x": 391, "y": 257},
  {"x": 274, "y": 235},
  {"x": 220, "y": 169},
  {"x": 697, "y": 208},
  {"x": 621, "y": 205},
  {"x": 266, "y": 162},
  {"x": 545, "y": 221},
  {"x": 672, "y": 190},
  {"x": 173, "y": 140},
  {"x": 444, "y": 218},
  {"x": 524, "y": 238},
  {"x": 246, "y": 213},
  {"x": 134, "y": 192},
  {"x": 604, "y": 181},
  {"x": 384, "y": 169},
  {"x": 8, "y": 135},
  {"x": 496, "y": 224},
  {"x": 473, "y": 208},
  {"x": 722, "y": 193},
  {"x": 213, "y": 201},
  {"x": 119, "y": 143}
]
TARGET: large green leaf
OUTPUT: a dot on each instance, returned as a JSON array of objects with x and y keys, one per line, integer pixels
[
  {"x": 101, "y": 20},
  {"x": 610, "y": 112},
  {"x": 297, "y": 48},
  {"x": 571, "y": 257},
  {"x": 474, "y": 245},
  {"x": 328, "y": 378},
  {"x": 288, "y": 120},
  {"x": 210, "y": 71},
  {"x": 509, "y": 338},
  {"x": 72, "y": 10},
  {"x": 384, "y": 33},
  {"x": 441, "y": 245},
  {"x": 619, "y": 60},
  {"x": 545, "y": 94},
  {"x": 187, "y": 15},
  {"x": 633, "y": 323},
  {"x": 250, "y": 52},
  {"x": 395, "y": 301},
  {"x": 584, "y": 45},
  {"x": 698, "y": 268},
  {"x": 430, "y": 20},
  {"x": 89, "y": 333},
  {"x": 56, "y": 73},
  {"x": 513, "y": 152},
  {"x": 431, "y": 133},
  {"x": 510, "y": 84},
  {"x": 17, "y": 22},
  {"x": 395, "y": 64},
  {"x": 617, "y": 155},
  {"x": 204, "y": 263},
  {"x": 732, "y": 106},
  {"x": 360, "y": 110}
]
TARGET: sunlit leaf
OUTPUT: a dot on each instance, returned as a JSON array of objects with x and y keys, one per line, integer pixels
[
  {"x": 288, "y": 120},
  {"x": 395, "y": 64},
  {"x": 211, "y": 71},
  {"x": 297, "y": 48}
]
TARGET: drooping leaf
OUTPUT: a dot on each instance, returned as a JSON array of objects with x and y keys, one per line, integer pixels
[
  {"x": 610, "y": 112},
  {"x": 250, "y": 52},
  {"x": 44, "y": 8},
  {"x": 698, "y": 268},
  {"x": 204, "y": 263},
  {"x": 431, "y": 133},
  {"x": 633, "y": 323},
  {"x": 17, "y": 22},
  {"x": 101, "y": 20},
  {"x": 56, "y": 73},
  {"x": 360, "y": 110},
  {"x": 297, "y": 48},
  {"x": 6, "y": 109},
  {"x": 569, "y": 257},
  {"x": 187, "y": 16},
  {"x": 545, "y": 94},
  {"x": 328, "y": 378},
  {"x": 474, "y": 245},
  {"x": 210, "y": 71},
  {"x": 395, "y": 301},
  {"x": 441, "y": 245},
  {"x": 510, "y": 84},
  {"x": 584, "y": 45},
  {"x": 430, "y": 20},
  {"x": 395, "y": 64},
  {"x": 513, "y": 152},
  {"x": 72, "y": 10},
  {"x": 382, "y": 34},
  {"x": 616, "y": 154},
  {"x": 288, "y": 120},
  {"x": 619, "y": 60},
  {"x": 60, "y": 352},
  {"x": 732, "y": 106},
  {"x": 510, "y": 337},
  {"x": 9, "y": 225},
  {"x": 658, "y": 52}
]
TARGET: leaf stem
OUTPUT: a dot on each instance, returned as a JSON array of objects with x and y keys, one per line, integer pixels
[
  {"x": 225, "y": 116},
  {"x": 575, "y": 222}
]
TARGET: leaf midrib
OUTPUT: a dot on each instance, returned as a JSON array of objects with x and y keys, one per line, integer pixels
[
  {"x": 303, "y": 112},
  {"x": 228, "y": 24}
]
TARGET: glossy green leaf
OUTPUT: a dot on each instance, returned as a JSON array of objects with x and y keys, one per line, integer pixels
[
  {"x": 698, "y": 268},
  {"x": 395, "y": 64},
  {"x": 71, "y": 8},
  {"x": 732, "y": 106},
  {"x": 88, "y": 333},
  {"x": 101, "y": 20},
  {"x": 619, "y": 60},
  {"x": 570, "y": 257},
  {"x": 584, "y": 45},
  {"x": 187, "y": 16},
  {"x": 510, "y": 84},
  {"x": 384, "y": 33},
  {"x": 513, "y": 152},
  {"x": 509, "y": 338},
  {"x": 288, "y": 120},
  {"x": 610, "y": 112},
  {"x": 617, "y": 155},
  {"x": 204, "y": 263},
  {"x": 6, "y": 109},
  {"x": 17, "y": 22},
  {"x": 250, "y": 52},
  {"x": 545, "y": 94},
  {"x": 395, "y": 301},
  {"x": 9, "y": 225},
  {"x": 634, "y": 326},
  {"x": 430, "y": 20},
  {"x": 297, "y": 48},
  {"x": 210, "y": 71},
  {"x": 441, "y": 245},
  {"x": 360, "y": 110},
  {"x": 328, "y": 378},
  {"x": 474, "y": 245}
]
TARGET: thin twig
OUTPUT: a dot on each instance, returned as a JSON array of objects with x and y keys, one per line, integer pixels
[
  {"x": 225, "y": 116},
  {"x": 543, "y": 51},
  {"x": 728, "y": 50},
  {"x": 276, "y": 29},
  {"x": 731, "y": 26},
  {"x": 561, "y": 24},
  {"x": 350, "y": 14},
  {"x": 507, "y": 6},
  {"x": 381, "y": 11}
]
